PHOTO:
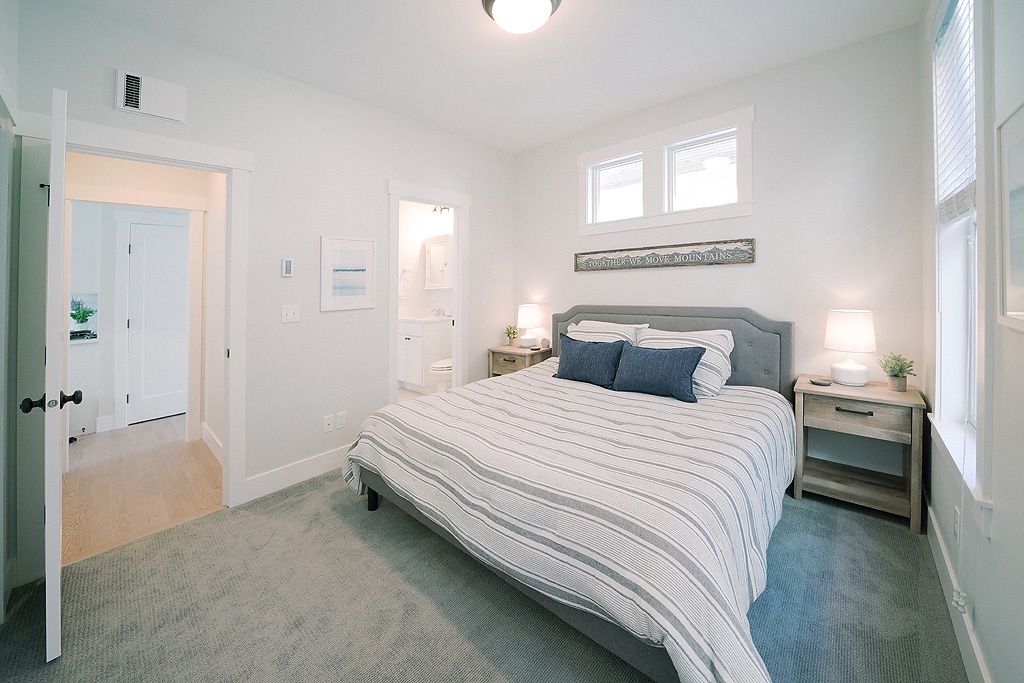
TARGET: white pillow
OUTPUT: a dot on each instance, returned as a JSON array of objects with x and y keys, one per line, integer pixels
[
  {"x": 714, "y": 367},
  {"x": 599, "y": 331}
]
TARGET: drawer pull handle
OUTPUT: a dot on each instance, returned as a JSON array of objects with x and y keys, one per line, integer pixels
[
  {"x": 508, "y": 360},
  {"x": 840, "y": 409}
]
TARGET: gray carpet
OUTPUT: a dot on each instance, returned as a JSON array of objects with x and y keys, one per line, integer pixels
[{"x": 305, "y": 585}]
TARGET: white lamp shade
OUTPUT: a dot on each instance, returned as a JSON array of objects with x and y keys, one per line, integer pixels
[
  {"x": 529, "y": 316},
  {"x": 521, "y": 16},
  {"x": 852, "y": 331}
]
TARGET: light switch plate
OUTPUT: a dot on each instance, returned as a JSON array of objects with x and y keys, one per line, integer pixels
[
  {"x": 287, "y": 267},
  {"x": 290, "y": 314}
]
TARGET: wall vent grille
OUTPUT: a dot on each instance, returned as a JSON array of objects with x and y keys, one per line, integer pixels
[
  {"x": 163, "y": 100},
  {"x": 132, "y": 91}
]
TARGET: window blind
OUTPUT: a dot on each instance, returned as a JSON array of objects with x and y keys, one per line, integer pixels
[{"x": 955, "y": 166}]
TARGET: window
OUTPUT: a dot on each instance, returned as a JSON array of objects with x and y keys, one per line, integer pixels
[
  {"x": 617, "y": 188},
  {"x": 697, "y": 172},
  {"x": 702, "y": 171},
  {"x": 956, "y": 257}
]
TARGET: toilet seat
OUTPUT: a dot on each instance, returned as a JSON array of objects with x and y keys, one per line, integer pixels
[{"x": 441, "y": 366}]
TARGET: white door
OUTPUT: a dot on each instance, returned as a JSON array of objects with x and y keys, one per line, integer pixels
[
  {"x": 55, "y": 438},
  {"x": 157, "y": 321}
]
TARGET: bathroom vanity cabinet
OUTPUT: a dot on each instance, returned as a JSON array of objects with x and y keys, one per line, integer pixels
[{"x": 420, "y": 343}]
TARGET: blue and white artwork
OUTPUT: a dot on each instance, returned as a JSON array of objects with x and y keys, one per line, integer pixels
[
  {"x": 346, "y": 274},
  {"x": 349, "y": 278}
]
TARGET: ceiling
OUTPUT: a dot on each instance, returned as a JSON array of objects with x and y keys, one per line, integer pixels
[{"x": 445, "y": 62}]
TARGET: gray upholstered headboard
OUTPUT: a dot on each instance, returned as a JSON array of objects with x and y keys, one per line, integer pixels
[{"x": 763, "y": 354}]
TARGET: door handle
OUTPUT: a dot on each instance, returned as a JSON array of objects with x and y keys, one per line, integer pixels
[
  {"x": 28, "y": 404},
  {"x": 75, "y": 398}
]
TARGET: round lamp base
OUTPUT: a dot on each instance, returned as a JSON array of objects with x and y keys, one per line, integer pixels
[{"x": 850, "y": 372}]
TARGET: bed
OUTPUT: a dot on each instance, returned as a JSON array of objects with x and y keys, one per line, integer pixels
[{"x": 640, "y": 520}]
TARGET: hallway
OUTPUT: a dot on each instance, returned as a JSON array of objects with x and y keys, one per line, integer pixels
[{"x": 128, "y": 483}]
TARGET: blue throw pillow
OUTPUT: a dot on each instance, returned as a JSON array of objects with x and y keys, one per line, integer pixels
[
  {"x": 592, "y": 362},
  {"x": 661, "y": 372}
]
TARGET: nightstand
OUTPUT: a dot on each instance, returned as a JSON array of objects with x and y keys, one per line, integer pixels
[
  {"x": 872, "y": 411},
  {"x": 505, "y": 359}
]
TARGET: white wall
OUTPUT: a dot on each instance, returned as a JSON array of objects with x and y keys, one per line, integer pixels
[
  {"x": 214, "y": 286},
  {"x": 836, "y": 185},
  {"x": 991, "y": 567},
  {"x": 322, "y": 166},
  {"x": 8, "y": 57},
  {"x": 87, "y": 271}
]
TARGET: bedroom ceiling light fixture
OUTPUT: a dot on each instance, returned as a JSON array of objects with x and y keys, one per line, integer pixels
[
  {"x": 520, "y": 16},
  {"x": 850, "y": 331}
]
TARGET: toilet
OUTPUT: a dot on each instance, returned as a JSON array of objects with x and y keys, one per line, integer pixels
[{"x": 441, "y": 371}]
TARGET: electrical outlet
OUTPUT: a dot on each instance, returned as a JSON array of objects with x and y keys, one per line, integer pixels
[
  {"x": 339, "y": 422},
  {"x": 290, "y": 314},
  {"x": 328, "y": 423},
  {"x": 956, "y": 525}
]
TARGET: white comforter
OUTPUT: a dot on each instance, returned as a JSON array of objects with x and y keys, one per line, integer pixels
[{"x": 652, "y": 513}]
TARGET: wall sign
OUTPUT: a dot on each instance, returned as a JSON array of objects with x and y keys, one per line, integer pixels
[{"x": 718, "y": 253}]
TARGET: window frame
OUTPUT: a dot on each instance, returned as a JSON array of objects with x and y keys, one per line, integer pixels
[
  {"x": 593, "y": 182},
  {"x": 654, "y": 150}
]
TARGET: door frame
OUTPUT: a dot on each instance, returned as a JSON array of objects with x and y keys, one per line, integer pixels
[
  {"x": 460, "y": 203},
  {"x": 237, "y": 166}
]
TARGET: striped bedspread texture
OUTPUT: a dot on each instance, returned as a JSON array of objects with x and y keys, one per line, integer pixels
[{"x": 652, "y": 513}]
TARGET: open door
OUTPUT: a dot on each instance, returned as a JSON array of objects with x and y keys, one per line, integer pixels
[{"x": 55, "y": 438}]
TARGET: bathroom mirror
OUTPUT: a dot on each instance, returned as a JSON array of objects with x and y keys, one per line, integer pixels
[
  {"x": 1011, "y": 151},
  {"x": 438, "y": 253}
]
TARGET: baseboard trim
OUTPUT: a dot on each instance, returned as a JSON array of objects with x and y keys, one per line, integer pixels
[
  {"x": 105, "y": 423},
  {"x": 966, "y": 637},
  {"x": 214, "y": 444},
  {"x": 268, "y": 482}
]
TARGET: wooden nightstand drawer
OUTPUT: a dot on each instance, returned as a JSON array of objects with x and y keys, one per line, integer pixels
[
  {"x": 505, "y": 363},
  {"x": 864, "y": 418},
  {"x": 505, "y": 359}
]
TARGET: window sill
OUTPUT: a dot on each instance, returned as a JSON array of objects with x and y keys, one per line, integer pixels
[
  {"x": 960, "y": 444},
  {"x": 710, "y": 213}
]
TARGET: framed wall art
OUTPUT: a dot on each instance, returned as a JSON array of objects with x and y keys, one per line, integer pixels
[
  {"x": 346, "y": 274},
  {"x": 1011, "y": 220}
]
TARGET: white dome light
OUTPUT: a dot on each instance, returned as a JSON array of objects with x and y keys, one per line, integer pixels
[{"x": 520, "y": 16}]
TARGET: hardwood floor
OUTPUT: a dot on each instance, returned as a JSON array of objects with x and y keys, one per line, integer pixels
[{"x": 128, "y": 483}]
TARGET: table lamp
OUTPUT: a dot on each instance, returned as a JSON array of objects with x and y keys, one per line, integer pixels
[
  {"x": 850, "y": 331},
  {"x": 529, "y": 319}
]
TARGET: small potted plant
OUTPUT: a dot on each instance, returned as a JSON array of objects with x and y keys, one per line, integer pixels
[
  {"x": 511, "y": 332},
  {"x": 897, "y": 367},
  {"x": 81, "y": 313}
]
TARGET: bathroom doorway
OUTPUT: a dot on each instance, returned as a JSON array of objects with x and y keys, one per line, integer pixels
[{"x": 427, "y": 253}]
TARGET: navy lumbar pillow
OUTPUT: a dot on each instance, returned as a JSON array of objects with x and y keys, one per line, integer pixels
[
  {"x": 592, "y": 362},
  {"x": 661, "y": 372}
]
